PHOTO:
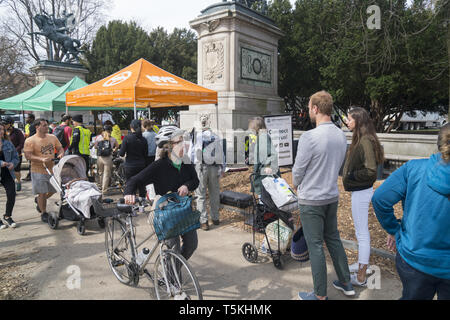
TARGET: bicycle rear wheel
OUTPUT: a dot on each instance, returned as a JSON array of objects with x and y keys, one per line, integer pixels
[
  {"x": 174, "y": 278},
  {"x": 119, "y": 251}
]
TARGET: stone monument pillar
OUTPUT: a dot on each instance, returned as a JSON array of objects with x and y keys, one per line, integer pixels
[
  {"x": 58, "y": 72},
  {"x": 237, "y": 57}
]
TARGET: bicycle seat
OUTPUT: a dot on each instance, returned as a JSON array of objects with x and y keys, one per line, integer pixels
[{"x": 125, "y": 208}]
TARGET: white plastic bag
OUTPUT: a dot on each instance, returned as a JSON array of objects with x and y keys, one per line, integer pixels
[
  {"x": 279, "y": 191},
  {"x": 272, "y": 235}
]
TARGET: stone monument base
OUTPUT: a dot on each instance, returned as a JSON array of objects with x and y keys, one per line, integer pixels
[
  {"x": 60, "y": 73},
  {"x": 233, "y": 110}
]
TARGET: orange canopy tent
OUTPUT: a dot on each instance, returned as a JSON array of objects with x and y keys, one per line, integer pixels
[{"x": 140, "y": 85}]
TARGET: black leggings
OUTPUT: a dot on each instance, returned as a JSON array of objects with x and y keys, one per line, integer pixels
[
  {"x": 131, "y": 172},
  {"x": 8, "y": 182}
]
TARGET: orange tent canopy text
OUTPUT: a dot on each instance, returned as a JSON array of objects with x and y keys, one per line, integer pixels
[{"x": 144, "y": 84}]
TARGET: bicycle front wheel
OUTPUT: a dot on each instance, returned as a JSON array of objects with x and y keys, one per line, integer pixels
[
  {"x": 119, "y": 251},
  {"x": 174, "y": 278}
]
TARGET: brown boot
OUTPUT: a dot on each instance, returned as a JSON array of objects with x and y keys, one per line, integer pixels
[{"x": 205, "y": 226}]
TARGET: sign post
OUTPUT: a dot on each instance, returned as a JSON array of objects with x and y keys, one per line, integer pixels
[{"x": 279, "y": 128}]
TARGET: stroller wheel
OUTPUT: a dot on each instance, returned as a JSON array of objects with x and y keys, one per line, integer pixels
[
  {"x": 81, "y": 228},
  {"x": 52, "y": 221},
  {"x": 249, "y": 252},
  {"x": 101, "y": 223},
  {"x": 278, "y": 263}
]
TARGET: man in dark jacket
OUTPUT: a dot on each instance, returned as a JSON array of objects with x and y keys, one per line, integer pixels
[
  {"x": 135, "y": 147},
  {"x": 17, "y": 138}
]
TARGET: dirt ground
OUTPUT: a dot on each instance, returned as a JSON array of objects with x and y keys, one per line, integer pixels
[
  {"x": 17, "y": 264},
  {"x": 239, "y": 182}
]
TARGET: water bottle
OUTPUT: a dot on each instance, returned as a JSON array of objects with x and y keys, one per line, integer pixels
[{"x": 142, "y": 256}]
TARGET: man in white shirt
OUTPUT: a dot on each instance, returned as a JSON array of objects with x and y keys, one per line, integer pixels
[{"x": 206, "y": 153}]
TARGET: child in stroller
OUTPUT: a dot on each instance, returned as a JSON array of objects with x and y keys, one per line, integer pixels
[{"x": 76, "y": 193}]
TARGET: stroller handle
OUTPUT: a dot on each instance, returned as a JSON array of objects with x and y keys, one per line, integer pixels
[{"x": 55, "y": 161}]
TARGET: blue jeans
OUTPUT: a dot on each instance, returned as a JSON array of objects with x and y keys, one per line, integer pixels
[{"x": 420, "y": 286}]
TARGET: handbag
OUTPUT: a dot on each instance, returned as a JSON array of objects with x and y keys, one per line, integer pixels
[
  {"x": 299, "y": 248},
  {"x": 173, "y": 216}
]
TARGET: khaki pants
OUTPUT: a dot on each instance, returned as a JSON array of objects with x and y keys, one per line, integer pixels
[
  {"x": 209, "y": 178},
  {"x": 105, "y": 165}
]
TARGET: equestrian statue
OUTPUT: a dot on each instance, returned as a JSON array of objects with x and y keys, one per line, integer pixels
[{"x": 55, "y": 30}]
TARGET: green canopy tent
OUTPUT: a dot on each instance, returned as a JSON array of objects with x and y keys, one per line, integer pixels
[
  {"x": 17, "y": 102},
  {"x": 56, "y": 99}
]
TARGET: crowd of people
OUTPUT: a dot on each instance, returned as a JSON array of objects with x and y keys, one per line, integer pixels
[{"x": 158, "y": 156}]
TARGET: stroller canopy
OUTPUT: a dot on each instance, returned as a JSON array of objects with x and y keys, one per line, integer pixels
[{"x": 70, "y": 167}]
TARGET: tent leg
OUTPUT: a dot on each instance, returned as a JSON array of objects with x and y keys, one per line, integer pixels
[
  {"x": 217, "y": 116},
  {"x": 95, "y": 122}
]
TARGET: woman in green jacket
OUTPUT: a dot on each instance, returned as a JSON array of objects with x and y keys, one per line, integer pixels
[{"x": 360, "y": 172}]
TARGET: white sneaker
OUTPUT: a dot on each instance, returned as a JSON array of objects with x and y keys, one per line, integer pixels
[
  {"x": 354, "y": 268},
  {"x": 355, "y": 282}
]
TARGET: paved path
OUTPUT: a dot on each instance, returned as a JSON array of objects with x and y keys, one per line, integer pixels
[{"x": 45, "y": 257}]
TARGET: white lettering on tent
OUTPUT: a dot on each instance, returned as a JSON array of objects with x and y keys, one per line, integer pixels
[
  {"x": 121, "y": 77},
  {"x": 160, "y": 80}
]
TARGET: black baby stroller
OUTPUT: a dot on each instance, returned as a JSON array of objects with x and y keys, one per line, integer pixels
[
  {"x": 265, "y": 212},
  {"x": 67, "y": 176}
]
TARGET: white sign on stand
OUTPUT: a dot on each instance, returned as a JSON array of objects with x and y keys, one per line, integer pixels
[{"x": 279, "y": 128}]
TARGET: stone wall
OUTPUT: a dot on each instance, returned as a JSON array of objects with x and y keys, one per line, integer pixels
[{"x": 401, "y": 147}]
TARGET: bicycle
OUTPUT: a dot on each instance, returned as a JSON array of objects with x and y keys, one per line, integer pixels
[
  {"x": 172, "y": 275},
  {"x": 117, "y": 174}
]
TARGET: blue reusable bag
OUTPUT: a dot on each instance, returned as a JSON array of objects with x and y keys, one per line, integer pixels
[{"x": 176, "y": 217}]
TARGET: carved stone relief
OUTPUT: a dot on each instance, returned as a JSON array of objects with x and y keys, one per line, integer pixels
[
  {"x": 213, "y": 62},
  {"x": 256, "y": 66}
]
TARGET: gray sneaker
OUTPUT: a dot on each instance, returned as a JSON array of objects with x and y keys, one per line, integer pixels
[
  {"x": 2, "y": 225},
  {"x": 346, "y": 289},
  {"x": 308, "y": 296}
]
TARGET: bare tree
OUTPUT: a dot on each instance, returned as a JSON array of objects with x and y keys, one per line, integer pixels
[
  {"x": 13, "y": 78},
  {"x": 18, "y": 22}
]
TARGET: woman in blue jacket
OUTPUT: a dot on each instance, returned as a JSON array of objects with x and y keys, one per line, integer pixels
[
  {"x": 8, "y": 160},
  {"x": 422, "y": 238}
]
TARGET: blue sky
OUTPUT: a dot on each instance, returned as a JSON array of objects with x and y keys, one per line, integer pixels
[{"x": 153, "y": 13}]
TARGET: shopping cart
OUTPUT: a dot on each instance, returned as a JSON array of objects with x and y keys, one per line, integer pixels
[{"x": 263, "y": 213}]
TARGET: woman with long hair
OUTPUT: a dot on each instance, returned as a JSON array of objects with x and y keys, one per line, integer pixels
[
  {"x": 8, "y": 160},
  {"x": 360, "y": 173},
  {"x": 135, "y": 147},
  {"x": 105, "y": 145}
]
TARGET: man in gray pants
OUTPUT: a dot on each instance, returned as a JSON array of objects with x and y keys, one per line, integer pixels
[
  {"x": 207, "y": 155},
  {"x": 320, "y": 155}
]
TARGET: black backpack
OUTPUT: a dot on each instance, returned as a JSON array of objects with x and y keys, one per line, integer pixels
[
  {"x": 59, "y": 133},
  {"x": 104, "y": 148}
]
